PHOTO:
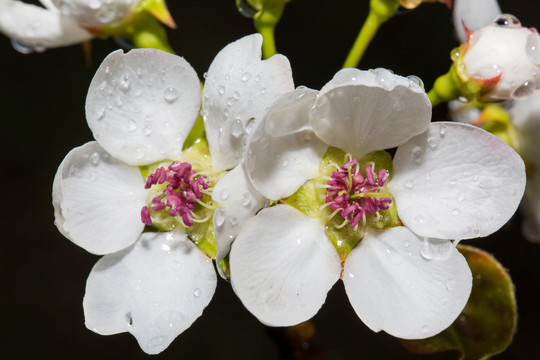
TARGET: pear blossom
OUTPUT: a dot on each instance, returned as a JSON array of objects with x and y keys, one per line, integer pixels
[
  {"x": 500, "y": 61},
  {"x": 348, "y": 210},
  {"x": 137, "y": 197},
  {"x": 67, "y": 22}
]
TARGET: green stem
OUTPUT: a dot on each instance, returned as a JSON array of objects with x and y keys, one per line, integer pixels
[
  {"x": 265, "y": 22},
  {"x": 379, "y": 12},
  {"x": 445, "y": 88}
]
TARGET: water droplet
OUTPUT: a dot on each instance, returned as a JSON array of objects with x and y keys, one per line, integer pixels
[
  {"x": 100, "y": 112},
  {"x": 221, "y": 90},
  {"x": 94, "y": 158},
  {"x": 245, "y": 77},
  {"x": 106, "y": 14},
  {"x": 383, "y": 77},
  {"x": 476, "y": 232},
  {"x": 125, "y": 83},
  {"x": 246, "y": 9},
  {"x": 425, "y": 329},
  {"x": 237, "y": 128},
  {"x": 22, "y": 48},
  {"x": 426, "y": 250},
  {"x": 417, "y": 154},
  {"x": 433, "y": 141},
  {"x": 456, "y": 212},
  {"x": 454, "y": 54},
  {"x": 249, "y": 125},
  {"x": 415, "y": 82},
  {"x": 219, "y": 219},
  {"x": 233, "y": 220},
  {"x": 263, "y": 90},
  {"x": 419, "y": 218},
  {"x": 406, "y": 243},
  {"x": 409, "y": 183},
  {"x": 442, "y": 130},
  {"x": 224, "y": 194},
  {"x": 132, "y": 126},
  {"x": 452, "y": 181},
  {"x": 156, "y": 342},
  {"x": 533, "y": 47},
  {"x": 197, "y": 292},
  {"x": 450, "y": 285},
  {"x": 147, "y": 130},
  {"x": 236, "y": 96},
  {"x": 170, "y": 94},
  {"x": 246, "y": 199},
  {"x": 205, "y": 75},
  {"x": 524, "y": 91},
  {"x": 507, "y": 20},
  {"x": 428, "y": 176}
]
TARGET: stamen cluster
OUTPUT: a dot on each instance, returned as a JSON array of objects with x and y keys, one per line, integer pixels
[
  {"x": 183, "y": 191},
  {"x": 354, "y": 196}
]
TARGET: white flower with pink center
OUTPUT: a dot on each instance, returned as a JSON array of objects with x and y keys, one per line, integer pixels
[
  {"x": 150, "y": 206},
  {"x": 349, "y": 210}
]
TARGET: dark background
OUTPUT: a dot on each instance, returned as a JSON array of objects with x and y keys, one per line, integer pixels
[{"x": 42, "y": 274}]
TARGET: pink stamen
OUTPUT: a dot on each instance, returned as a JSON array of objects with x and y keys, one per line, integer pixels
[
  {"x": 181, "y": 193},
  {"x": 348, "y": 181}
]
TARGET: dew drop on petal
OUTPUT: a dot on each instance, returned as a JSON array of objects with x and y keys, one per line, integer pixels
[
  {"x": 533, "y": 48},
  {"x": 170, "y": 94},
  {"x": 419, "y": 218},
  {"x": 524, "y": 91},
  {"x": 456, "y": 212},
  {"x": 461, "y": 196},
  {"x": 219, "y": 219},
  {"x": 433, "y": 141},
  {"x": 197, "y": 292},
  {"x": 94, "y": 158},
  {"x": 237, "y": 128},
  {"x": 453, "y": 181},
  {"x": 132, "y": 126},
  {"x": 415, "y": 82},
  {"x": 409, "y": 183},
  {"x": 442, "y": 130},
  {"x": 221, "y": 90},
  {"x": 224, "y": 194},
  {"x": 450, "y": 285},
  {"x": 417, "y": 153},
  {"x": 245, "y": 199},
  {"x": 106, "y": 14},
  {"x": 426, "y": 250},
  {"x": 245, "y": 77}
]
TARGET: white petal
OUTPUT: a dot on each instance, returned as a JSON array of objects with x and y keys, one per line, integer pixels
[
  {"x": 154, "y": 290},
  {"x": 239, "y": 88},
  {"x": 97, "y": 13},
  {"x": 474, "y": 14},
  {"x": 392, "y": 287},
  {"x": 359, "y": 111},
  {"x": 284, "y": 152},
  {"x": 37, "y": 27},
  {"x": 98, "y": 200},
  {"x": 240, "y": 202},
  {"x": 142, "y": 105},
  {"x": 456, "y": 181},
  {"x": 283, "y": 265}
]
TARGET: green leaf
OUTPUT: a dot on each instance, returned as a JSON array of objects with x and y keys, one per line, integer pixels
[{"x": 487, "y": 324}]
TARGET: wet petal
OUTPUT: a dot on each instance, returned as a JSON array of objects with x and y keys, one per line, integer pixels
[
  {"x": 283, "y": 265},
  {"x": 142, "y": 105},
  {"x": 393, "y": 287},
  {"x": 154, "y": 290},
  {"x": 96, "y": 13},
  {"x": 240, "y": 202},
  {"x": 358, "y": 111},
  {"x": 239, "y": 88},
  {"x": 284, "y": 152},
  {"x": 474, "y": 14},
  {"x": 456, "y": 181},
  {"x": 37, "y": 27},
  {"x": 98, "y": 199}
]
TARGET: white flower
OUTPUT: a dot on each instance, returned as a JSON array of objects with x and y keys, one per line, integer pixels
[
  {"x": 140, "y": 108},
  {"x": 449, "y": 181},
  {"x": 502, "y": 60},
  {"x": 62, "y": 22},
  {"x": 525, "y": 116},
  {"x": 474, "y": 15}
]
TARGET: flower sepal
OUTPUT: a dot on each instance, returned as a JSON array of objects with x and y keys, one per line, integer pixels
[{"x": 158, "y": 8}]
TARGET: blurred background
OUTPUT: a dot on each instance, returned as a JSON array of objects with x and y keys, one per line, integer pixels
[{"x": 42, "y": 97}]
